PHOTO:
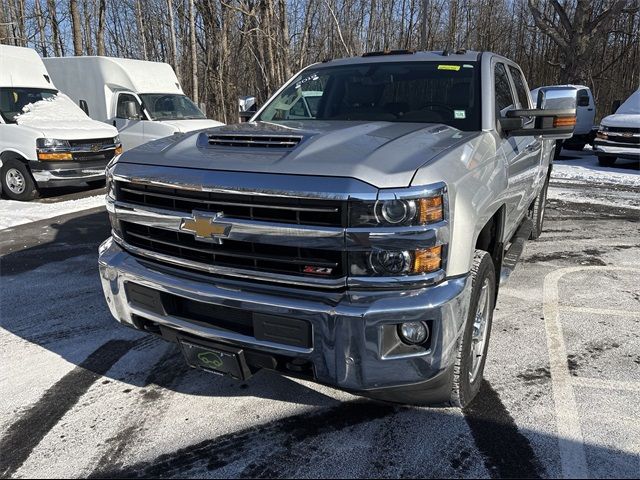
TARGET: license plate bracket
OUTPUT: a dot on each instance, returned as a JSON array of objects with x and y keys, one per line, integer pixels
[{"x": 216, "y": 358}]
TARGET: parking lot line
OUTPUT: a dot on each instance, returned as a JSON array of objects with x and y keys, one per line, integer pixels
[
  {"x": 599, "y": 311},
  {"x": 570, "y": 439},
  {"x": 607, "y": 384}
]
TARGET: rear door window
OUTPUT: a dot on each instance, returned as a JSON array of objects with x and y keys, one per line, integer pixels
[
  {"x": 521, "y": 89},
  {"x": 503, "y": 94}
]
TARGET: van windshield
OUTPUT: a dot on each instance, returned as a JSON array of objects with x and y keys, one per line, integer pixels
[
  {"x": 13, "y": 100},
  {"x": 163, "y": 106},
  {"x": 423, "y": 92}
]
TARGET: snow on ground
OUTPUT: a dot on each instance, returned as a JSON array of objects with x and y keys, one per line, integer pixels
[
  {"x": 578, "y": 178},
  {"x": 14, "y": 213}
]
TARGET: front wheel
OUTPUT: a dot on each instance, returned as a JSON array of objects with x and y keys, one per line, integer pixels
[
  {"x": 472, "y": 348},
  {"x": 17, "y": 182}
]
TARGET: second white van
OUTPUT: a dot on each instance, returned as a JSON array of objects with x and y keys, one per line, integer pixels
[{"x": 142, "y": 99}]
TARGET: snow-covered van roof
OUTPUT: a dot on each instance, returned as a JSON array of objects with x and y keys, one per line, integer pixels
[
  {"x": 138, "y": 76},
  {"x": 22, "y": 67}
]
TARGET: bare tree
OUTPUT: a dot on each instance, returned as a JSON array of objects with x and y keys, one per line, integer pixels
[
  {"x": 576, "y": 37},
  {"x": 76, "y": 27}
]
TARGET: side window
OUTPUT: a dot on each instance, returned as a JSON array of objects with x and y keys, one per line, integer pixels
[
  {"x": 298, "y": 110},
  {"x": 521, "y": 90},
  {"x": 121, "y": 109},
  {"x": 583, "y": 97},
  {"x": 504, "y": 98}
]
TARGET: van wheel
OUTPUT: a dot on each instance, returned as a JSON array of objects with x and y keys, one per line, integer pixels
[
  {"x": 537, "y": 212},
  {"x": 472, "y": 348},
  {"x": 17, "y": 182},
  {"x": 606, "y": 161}
]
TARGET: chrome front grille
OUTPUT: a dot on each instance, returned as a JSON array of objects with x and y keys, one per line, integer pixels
[
  {"x": 235, "y": 254},
  {"x": 297, "y": 211}
]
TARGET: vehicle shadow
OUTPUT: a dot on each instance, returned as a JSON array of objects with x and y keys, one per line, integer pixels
[
  {"x": 51, "y": 296},
  {"x": 589, "y": 160}
]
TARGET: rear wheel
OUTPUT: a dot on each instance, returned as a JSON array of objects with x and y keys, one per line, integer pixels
[
  {"x": 17, "y": 182},
  {"x": 537, "y": 212},
  {"x": 472, "y": 348},
  {"x": 558, "y": 149},
  {"x": 606, "y": 161}
]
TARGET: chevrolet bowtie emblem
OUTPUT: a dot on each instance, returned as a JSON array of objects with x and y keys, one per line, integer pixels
[{"x": 205, "y": 226}]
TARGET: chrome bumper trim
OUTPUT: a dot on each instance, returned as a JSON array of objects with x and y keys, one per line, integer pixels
[{"x": 347, "y": 326}]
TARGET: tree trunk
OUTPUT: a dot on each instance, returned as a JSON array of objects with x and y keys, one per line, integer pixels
[
  {"x": 76, "y": 27},
  {"x": 172, "y": 37},
  {"x": 55, "y": 29},
  {"x": 194, "y": 59},
  {"x": 40, "y": 22},
  {"x": 102, "y": 8}
]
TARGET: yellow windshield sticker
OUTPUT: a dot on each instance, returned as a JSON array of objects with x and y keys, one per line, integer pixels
[{"x": 449, "y": 67}]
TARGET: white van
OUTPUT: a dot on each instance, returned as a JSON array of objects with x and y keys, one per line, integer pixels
[
  {"x": 143, "y": 100},
  {"x": 619, "y": 134},
  {"x": 585, "y": 116},
  {"x": 45, "y": 139}
]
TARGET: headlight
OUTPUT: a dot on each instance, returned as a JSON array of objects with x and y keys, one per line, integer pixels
[
  {"x": 397, "y": 212},
  {"x": 395, "y": 263},
  {"x": 53, "y": 150},
  {"x": 52, "y": 143}
]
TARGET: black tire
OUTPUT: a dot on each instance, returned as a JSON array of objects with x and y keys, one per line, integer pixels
[
  {"x": 17, "y": 182},
  {"x": 558, "y": 149},
  {"x": 96, "y": 183},
  {"x": 466, "y": 383},
  {"x": 575, "y": 146},
  {"x": 606, "y": 161},
  {"x": 537, "y": 212}
]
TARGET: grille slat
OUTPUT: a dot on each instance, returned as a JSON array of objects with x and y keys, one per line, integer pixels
[{"x": 297, "y": 211}]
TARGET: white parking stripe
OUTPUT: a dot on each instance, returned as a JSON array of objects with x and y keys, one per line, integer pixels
[
  {"x": 570, "y": 440},
  {"x": 599, "y": 311},
  {"x": 607, "y": 384}
]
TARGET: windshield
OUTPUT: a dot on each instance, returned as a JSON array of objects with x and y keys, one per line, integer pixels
[
  {"x": 13, "y": 100},
  {"x": 423, "y": 92},
  {"x": 162, "y": 106}
]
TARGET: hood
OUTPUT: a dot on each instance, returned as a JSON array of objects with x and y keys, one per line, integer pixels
[
  {"x": 631, "y": 120},
  {"x": 383, "y": 154},
  {"x": 184, "y": 126}
]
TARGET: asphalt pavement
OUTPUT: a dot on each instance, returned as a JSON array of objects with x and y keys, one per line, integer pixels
[{"x": 85, "y": 396}]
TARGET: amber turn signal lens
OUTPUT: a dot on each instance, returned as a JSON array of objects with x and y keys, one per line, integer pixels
[
  {"x": 118, "y": 150},
  {"x": 430, "y": 210},
  {"x": 52, "y": 157},
  {"x": 559, "y": 122},
  {"x": 427, "y": 260}
]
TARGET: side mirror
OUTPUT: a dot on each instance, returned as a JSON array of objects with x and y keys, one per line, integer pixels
[
  {"x": 245, "y": 116},
  {"x": 84, "y": 106},
  {"x": 555, "y": 115},
  {"x": 131, "y": 110}
]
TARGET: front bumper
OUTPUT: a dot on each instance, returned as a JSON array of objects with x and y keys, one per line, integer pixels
[
  {"x": 350, "y": 346},
  {"x": 66, "y": 173},
  {"x": 607, "y": 148}
]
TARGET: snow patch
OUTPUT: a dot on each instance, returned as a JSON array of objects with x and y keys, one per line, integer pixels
[
  {"x": 585, "y": 168},
  {"x": 13, "y": 213},
  {"x": 49, "y": 112}
]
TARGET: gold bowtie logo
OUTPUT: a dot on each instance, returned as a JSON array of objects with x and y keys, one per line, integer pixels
[{"x": 205, "y": 226}]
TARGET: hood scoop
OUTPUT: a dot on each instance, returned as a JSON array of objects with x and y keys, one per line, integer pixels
[{"x": 238, "y": 140}]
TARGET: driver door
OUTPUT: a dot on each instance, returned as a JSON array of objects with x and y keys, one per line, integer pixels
[{"x": 131, "y": 130}]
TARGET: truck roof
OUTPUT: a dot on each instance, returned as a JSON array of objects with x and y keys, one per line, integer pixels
[
  {"x": 22, "y": 67},
  {"x": 139, "y": 76},
  {"x": 407, "y": 56}
]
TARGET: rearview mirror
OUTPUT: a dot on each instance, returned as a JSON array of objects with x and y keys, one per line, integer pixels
[
  {"x": 131, "y": 110},
  {"x": 554, "y": 115}
]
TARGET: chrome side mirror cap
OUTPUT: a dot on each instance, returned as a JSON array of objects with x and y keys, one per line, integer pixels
[{"x": 554, "y": 115}]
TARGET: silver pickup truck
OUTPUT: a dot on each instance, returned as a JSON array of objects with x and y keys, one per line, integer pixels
[{"x": 356, "y": 238}]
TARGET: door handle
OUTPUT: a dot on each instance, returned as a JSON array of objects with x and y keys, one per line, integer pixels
[{"x": 590, "y": 109}]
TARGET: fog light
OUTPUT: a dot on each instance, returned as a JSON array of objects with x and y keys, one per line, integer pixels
[{"x": 413, "y": 332}]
